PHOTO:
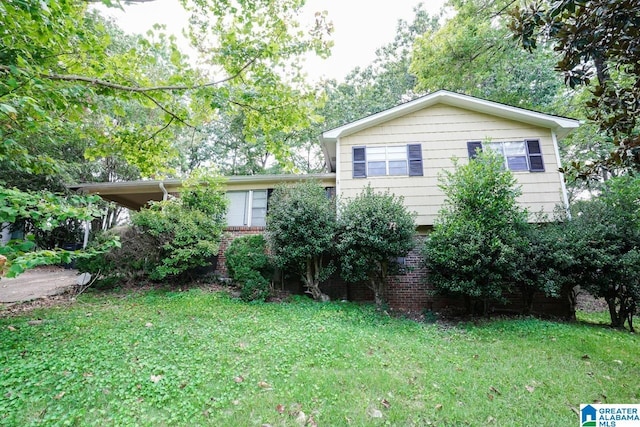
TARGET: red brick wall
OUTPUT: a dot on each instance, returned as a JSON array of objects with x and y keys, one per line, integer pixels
[
  {"x": 229, "y": 235},
  {"x": 407, "y": 292}
]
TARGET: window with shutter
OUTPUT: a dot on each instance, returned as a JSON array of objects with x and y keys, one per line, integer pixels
[
  {"x": 535, "y": 155},
  {"x": 473, "y": 147},
  {"x": 518, "y": 155},
  {"x": 414, "y": 154},
  {"x": 359, "y": 162}
]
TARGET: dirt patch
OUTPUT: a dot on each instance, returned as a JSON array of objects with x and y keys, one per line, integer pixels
[{"x": 590, "y": 304}]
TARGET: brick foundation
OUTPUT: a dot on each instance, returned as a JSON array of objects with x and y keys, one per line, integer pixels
[{"x": 407, "y": 292}]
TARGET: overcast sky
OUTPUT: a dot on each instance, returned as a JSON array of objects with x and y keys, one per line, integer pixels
[{"x": 361, "y": 26}]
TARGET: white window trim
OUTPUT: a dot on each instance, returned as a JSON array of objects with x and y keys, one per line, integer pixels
[{"x": 248, "y": 210}]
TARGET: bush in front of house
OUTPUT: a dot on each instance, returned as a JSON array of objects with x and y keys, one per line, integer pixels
[
  {"x": 375, "y": 229},
  {"x": 169, "y": 238},
  {"x": 249, "y": 267},
  {"x": 131, "y": 262},
  {"x": 301, "y": 226},
  {"x": 479, "y": 235},
  {"x": 188, "y": 230}
]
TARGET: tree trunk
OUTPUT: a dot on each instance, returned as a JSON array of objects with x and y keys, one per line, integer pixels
[
  {"x": 311, "y": 280},
  {"x": 616, "y": 320},
  {"x": 570, "y": 294},
  {"x": 527, "y": 300},
  {"x": 377, "y": 284}
]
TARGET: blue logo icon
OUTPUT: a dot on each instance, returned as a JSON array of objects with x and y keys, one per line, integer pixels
[{"x": 588, "y": 416}]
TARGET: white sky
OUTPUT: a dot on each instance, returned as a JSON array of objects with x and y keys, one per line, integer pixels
[{"x": 360, "y": 27}]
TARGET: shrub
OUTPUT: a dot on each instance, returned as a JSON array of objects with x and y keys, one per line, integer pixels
[
  {"x": 187, "y": 230},
  {"x": 301, "y": 226},
  {"x": 169, "y": 238},
  {"x": 480, "y": 233},
  {"x": 133, "y": 261},
  {"x": 374, "y": 230},
  {"x": 248, "y": 265}
]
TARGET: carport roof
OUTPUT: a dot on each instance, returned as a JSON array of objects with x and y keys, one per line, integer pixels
[{"x": 136, "y": 194}]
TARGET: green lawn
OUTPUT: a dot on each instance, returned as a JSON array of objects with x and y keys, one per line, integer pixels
[{"x": 199, "y": 358}]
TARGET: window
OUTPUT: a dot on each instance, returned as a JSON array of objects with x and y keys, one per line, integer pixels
[
  {"x": 247, "y": 208},
  {"x": 518, "y": 155},
  {"x": 387, "y": 161}
]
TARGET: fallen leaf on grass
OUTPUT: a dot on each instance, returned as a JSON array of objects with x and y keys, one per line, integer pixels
[
  {"x": 619, "y": 362},
  {"x": 385, "y": 403},
  {"x": 12, "y": 328},
  {"x": 439, "y": 407},
  {"x": 59, "y": 395},
  {"x": 238, "y": 379},
  {"x": 155, "y": 378},
  {"x": 495, "y": 390},
  {"x": 264, "y": 385},
  {"x": 311, "y": 422},
  {"x": 301, "y": 419},
  {"x": 374, "y": 413},
  {"x": 490, "y": 396},
  {"x": 491, "y": 420},
  {"x": 530, "y": 388},
  {"x": 148, "y": 324},
  {"x": 280, "y": 408}
]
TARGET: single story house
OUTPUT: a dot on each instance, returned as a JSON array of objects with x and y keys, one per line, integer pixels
[{"x": 402, "y": 150}]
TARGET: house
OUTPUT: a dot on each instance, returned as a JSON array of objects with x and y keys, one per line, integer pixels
[{"x": 402, "y": 150}]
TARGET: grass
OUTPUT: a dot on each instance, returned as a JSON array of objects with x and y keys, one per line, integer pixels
[{"x": 198, "y": 358}]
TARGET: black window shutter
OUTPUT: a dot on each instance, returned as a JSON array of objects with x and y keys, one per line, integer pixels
[
  {"x": 359, "y": 162},
  {"x": 473, "y": 147},
  {"x": 535, "y": 155},
  {"x": 414, "y": 155}
]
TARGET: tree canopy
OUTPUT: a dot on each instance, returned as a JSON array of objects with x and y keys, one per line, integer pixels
[{"x": 598, "y": 42}]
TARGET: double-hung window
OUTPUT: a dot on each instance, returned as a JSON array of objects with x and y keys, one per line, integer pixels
[
  {"x": 518, "y": 155},
  {"x": 247, "y": 208},
  {"x": 387, "y": 161}
]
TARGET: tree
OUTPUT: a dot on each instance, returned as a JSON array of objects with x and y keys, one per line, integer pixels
[
  {"x": 382, "y": 84},
  {"x": 44, "y": 211},
  {"x": 598, "y": 42},
  {"x": 374, "y": 230},
  {"x": 471, "y": 53},
  {"x": 604, "y": 245},
  {"x": 58, "y": 67},
  {"x": 474, "y": 248},
  {"x": 301, "y": 226}
]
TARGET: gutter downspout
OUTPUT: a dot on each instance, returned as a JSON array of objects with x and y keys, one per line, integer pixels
[
  {"x": 338, "y": 186},
  {"x": 165, "y": 193},
  {"x": 563, "y": 186}
]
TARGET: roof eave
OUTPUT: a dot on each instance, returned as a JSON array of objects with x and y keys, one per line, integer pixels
[{"x": 561, "y": 125}]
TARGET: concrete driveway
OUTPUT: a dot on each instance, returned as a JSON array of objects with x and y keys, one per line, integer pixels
[{"x": 38, "y": 283}]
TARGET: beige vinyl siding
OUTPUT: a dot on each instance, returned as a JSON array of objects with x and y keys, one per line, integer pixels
[{"x": 443, "y": 131}]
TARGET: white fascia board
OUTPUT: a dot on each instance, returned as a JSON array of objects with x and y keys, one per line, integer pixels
[{"x": 561, "y": 125}]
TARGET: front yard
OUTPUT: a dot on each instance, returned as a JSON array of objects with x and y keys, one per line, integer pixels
[{"x": 201, "y": 358}]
